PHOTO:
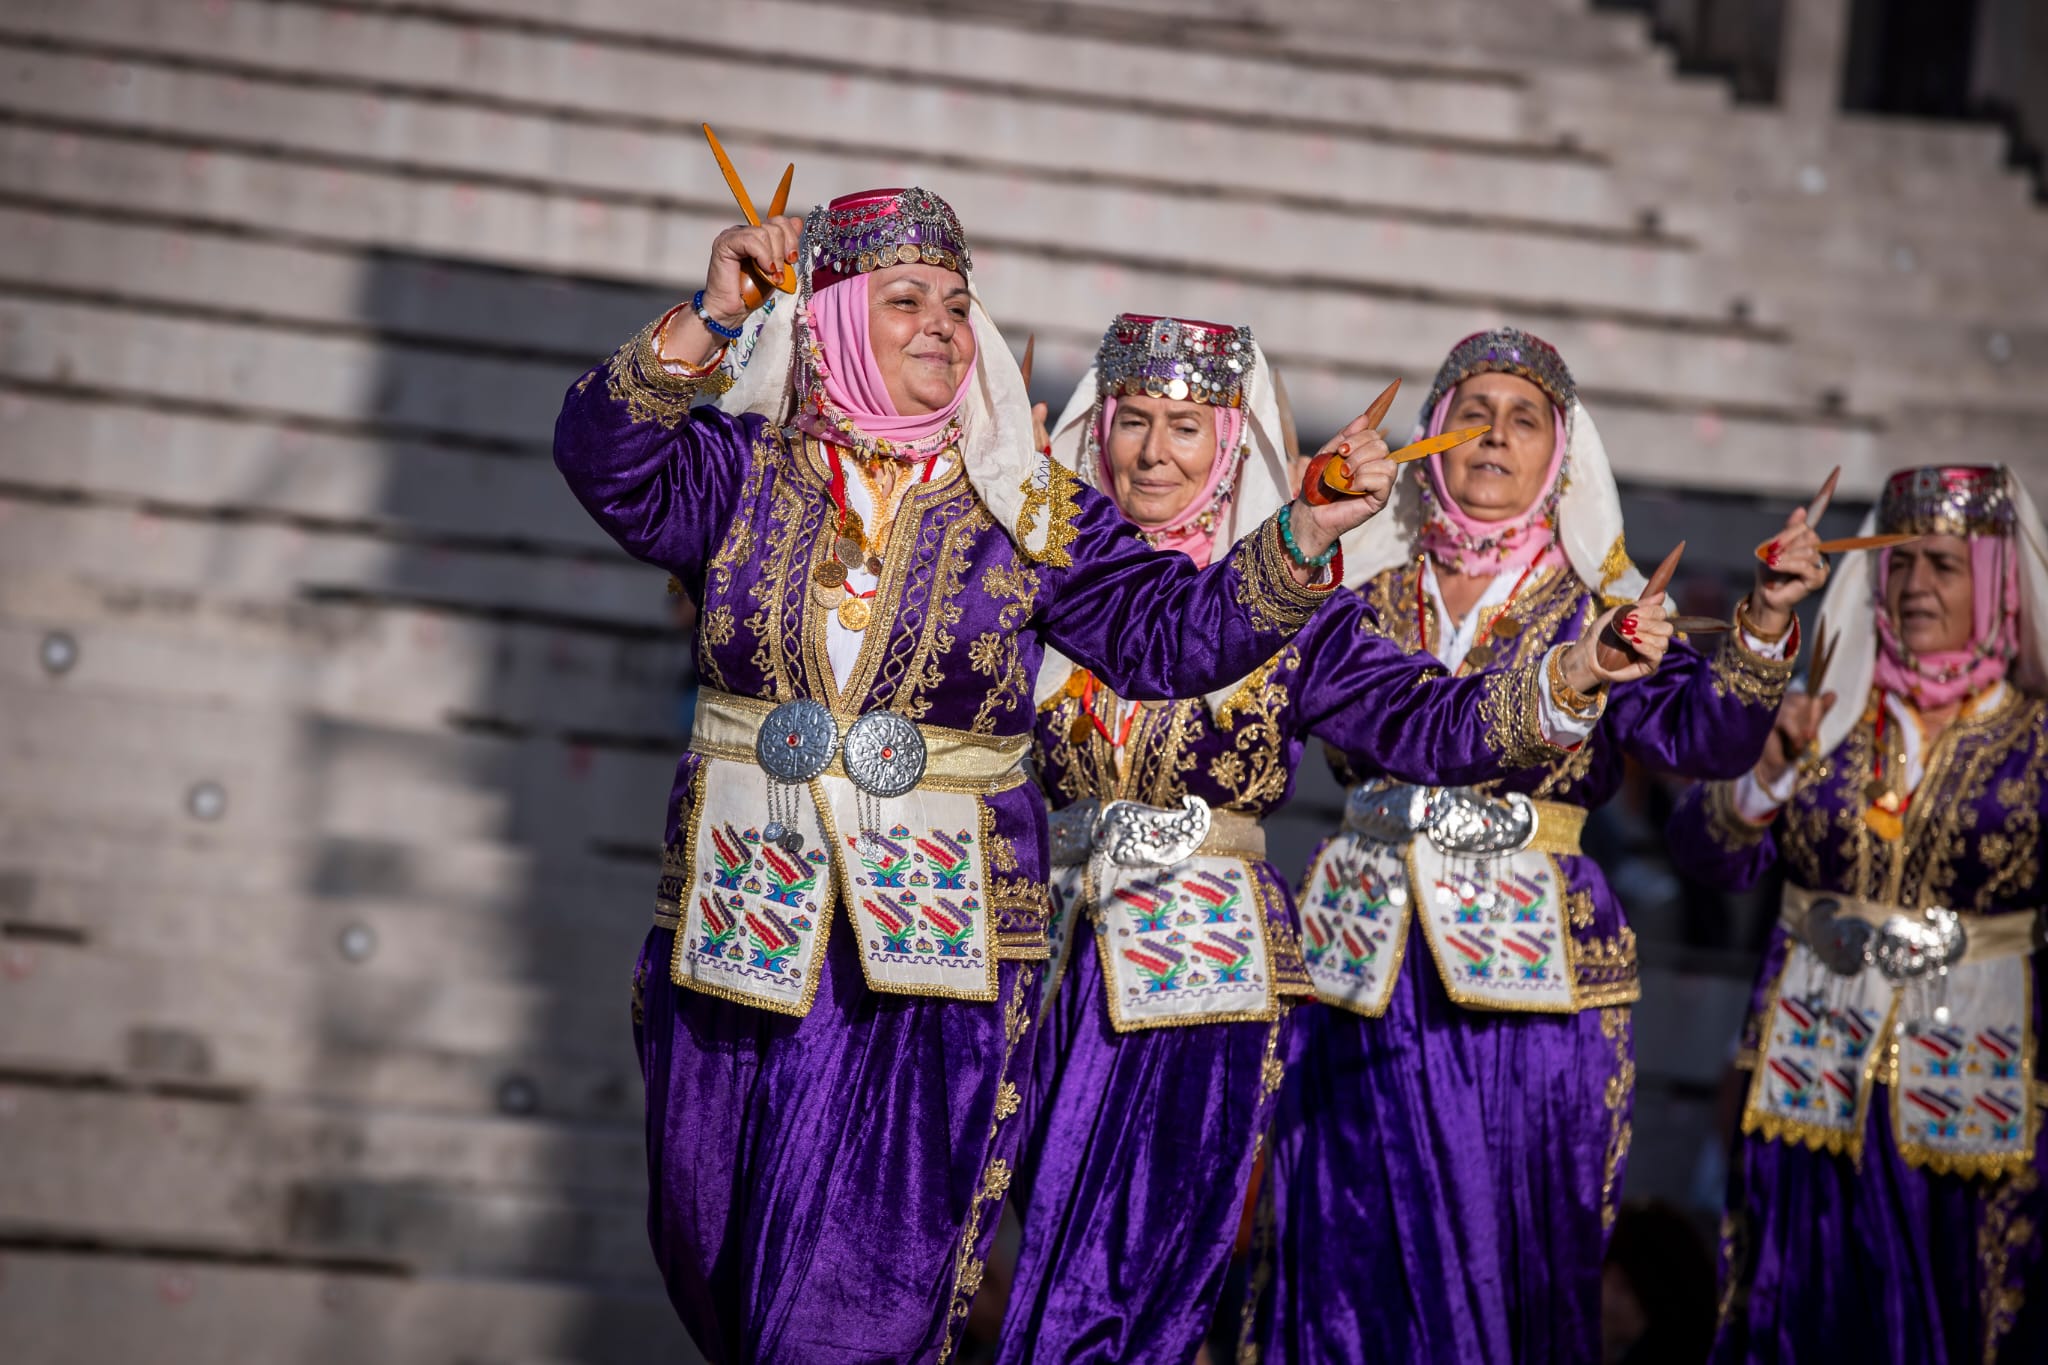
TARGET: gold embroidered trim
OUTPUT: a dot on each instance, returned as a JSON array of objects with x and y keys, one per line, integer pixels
[
  {"x": 994, "y": 1184},
  {"x": 1265, "y": 1235},
  {"x": 1272, "y": 1071},
  {"x": 1612, "y": 566},
  {"x": 1753, "y": 679},
  {"x": 1605, "y": 971},
  {"x": 1614, "y": 1025},
  {"x": 1266, "y": 587},
  {"x": 1735, "y": 1267},
  {"x": 1055, "y": 495},
  {"x": 2003, "y": 1231},
  {"x": 1509, "y": 710},
  {"x": 636, "y": 377},
  {"x": 1726, "y": 826},
  {"x": 1019, "y": 896}
]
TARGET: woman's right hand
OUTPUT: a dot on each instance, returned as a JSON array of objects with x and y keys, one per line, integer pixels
[
  {"x": 1798, "y": 723},
  {"x": 768, "y": 248}
]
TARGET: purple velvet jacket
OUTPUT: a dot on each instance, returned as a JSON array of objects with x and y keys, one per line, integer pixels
[
  {"x": 1341, "y": 681},
  {"x": 740, "y": 513},
  {"x": 1701, "y": 714}
]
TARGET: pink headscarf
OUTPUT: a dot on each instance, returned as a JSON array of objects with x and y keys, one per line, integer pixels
[
  {"x": 1945, "y": 677},
  {"x": 854, "y": 390},
  {"x": 1463, "y": 544},
  {"x": 1190, "y": 531}
]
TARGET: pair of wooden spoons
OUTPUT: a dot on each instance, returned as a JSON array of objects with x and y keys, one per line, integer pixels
[
  {"x": 756, "y": 285},
  {"x": 1326, "y": 478}
]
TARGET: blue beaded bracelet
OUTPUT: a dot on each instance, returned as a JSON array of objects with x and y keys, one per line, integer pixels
[
  {"x": 1294, "y": 551},
  {"x": 718, "y": 329}
]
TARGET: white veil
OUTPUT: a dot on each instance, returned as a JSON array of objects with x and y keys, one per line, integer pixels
[{"x": 1261, "y": 489}]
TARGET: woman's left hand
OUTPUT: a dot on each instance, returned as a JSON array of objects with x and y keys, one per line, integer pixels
[
  {"x": 1792, "y": 569},
  {"x": 1368, "y": 473}
]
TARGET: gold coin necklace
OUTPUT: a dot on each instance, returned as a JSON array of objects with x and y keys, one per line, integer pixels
[
  {"x": 1496, "y": 636},
  {"x": 853, "y": 549}
]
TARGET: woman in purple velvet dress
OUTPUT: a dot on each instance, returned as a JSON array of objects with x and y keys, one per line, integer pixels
[
  {"x": 1886, "y": 1201},
  {"x": 1448, "y": 1149},
  {"x": 1176, "y": 952},
  {"x": 880, "y": 555}
]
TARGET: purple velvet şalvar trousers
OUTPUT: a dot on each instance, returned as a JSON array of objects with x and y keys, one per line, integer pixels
[
  {"x": 1430, "y": 1202},
  {"x": 1141, "y": 1145},
  {"x": 842, "y": 1176}
]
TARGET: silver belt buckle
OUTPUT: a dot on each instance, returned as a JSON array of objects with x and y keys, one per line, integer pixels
[
  {"x": 885, "y": 754},
  {"x": 1389, "y": 812},
  {"x": 1131, "y": 834},
  {"x": 1841, "y": 942},
  {"x": 797, "y": 740},
  {"x": 1482, "y": 826},
  {"x": 1071, "y": 832},
  {"x": 1909, "y": 947}
]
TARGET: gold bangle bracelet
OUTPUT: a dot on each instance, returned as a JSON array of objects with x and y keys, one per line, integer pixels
[
  {"x": 1749, "y": 627},
  {"x": 1568, "y": 699}
]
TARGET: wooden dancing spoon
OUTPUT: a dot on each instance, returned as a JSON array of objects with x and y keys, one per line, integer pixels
[
  {"x": 754, "y": 288},
  {"x": 1615, "y": 652},
  {"x": 1327, "y": 477}
]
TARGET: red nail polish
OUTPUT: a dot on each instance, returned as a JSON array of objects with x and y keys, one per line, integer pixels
[{"x": 1771, "y": 554}]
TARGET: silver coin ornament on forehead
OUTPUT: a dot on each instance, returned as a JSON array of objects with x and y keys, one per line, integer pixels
[
  {"x": 797, "y": 741},
  {"x": 885, "y": 754}
]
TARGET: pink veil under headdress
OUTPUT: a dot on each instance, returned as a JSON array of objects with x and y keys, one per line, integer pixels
[
  {"x": 1207, "y": 362},
  {"x": 2009, "y": 595},
  {"x": 792, "y": 366},
  {"x": 1580, "y": 504}
]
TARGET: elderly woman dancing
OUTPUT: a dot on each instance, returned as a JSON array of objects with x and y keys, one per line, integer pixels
[
  {"x": 1886, "y": 1199},
  {"x": 1447, "y": 1154},
  {"x": 1165, "y": 1043},
  {"x": 881, "y": 556}
]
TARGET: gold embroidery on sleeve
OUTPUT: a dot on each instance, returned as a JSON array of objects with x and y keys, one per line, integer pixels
[
  {"x": 636, "y": 377},
  {"x": 1749, "y": 676},
  {"x": 1509, "y": 712}
]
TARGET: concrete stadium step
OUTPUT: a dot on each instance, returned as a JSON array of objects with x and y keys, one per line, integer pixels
[
  {"x": 625, "y": 128},
  {"x": 283, "y": 1181},
  {"x": 259, "y": 370},
  {"x": 517, "y": 885},
  {"x": 93, "y": 442},
  {"x": 1518, "y": 254},
  {"x": 553, "y": 943},
  {"x": 508, "y": 400},
  {"x": 156, "y": 550},
  {"x": 140, "y": 755},
  {"x": 388, "y": 665},
  {"x": 323, "y": 1034},
  {"x": 74, "y": 1307},
  {"x": 59, "y": 248},
  {"x": 936, "y": 46}
]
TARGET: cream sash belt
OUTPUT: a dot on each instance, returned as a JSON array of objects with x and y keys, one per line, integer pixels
[
  {"x": 1491, "y": 893},
  {"x": 1173, "y": 899},
  {"x": 1936, "y": 1003},
  {"x": 754, "y": 897}
]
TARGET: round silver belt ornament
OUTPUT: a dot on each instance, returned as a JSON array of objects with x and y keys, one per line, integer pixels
[
  {"x": 1912, "y": 946},
  {"x": 1841, "y": 942},
  {"x": 884, "y": 754},
  {"x": 797, "y": 741}
]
